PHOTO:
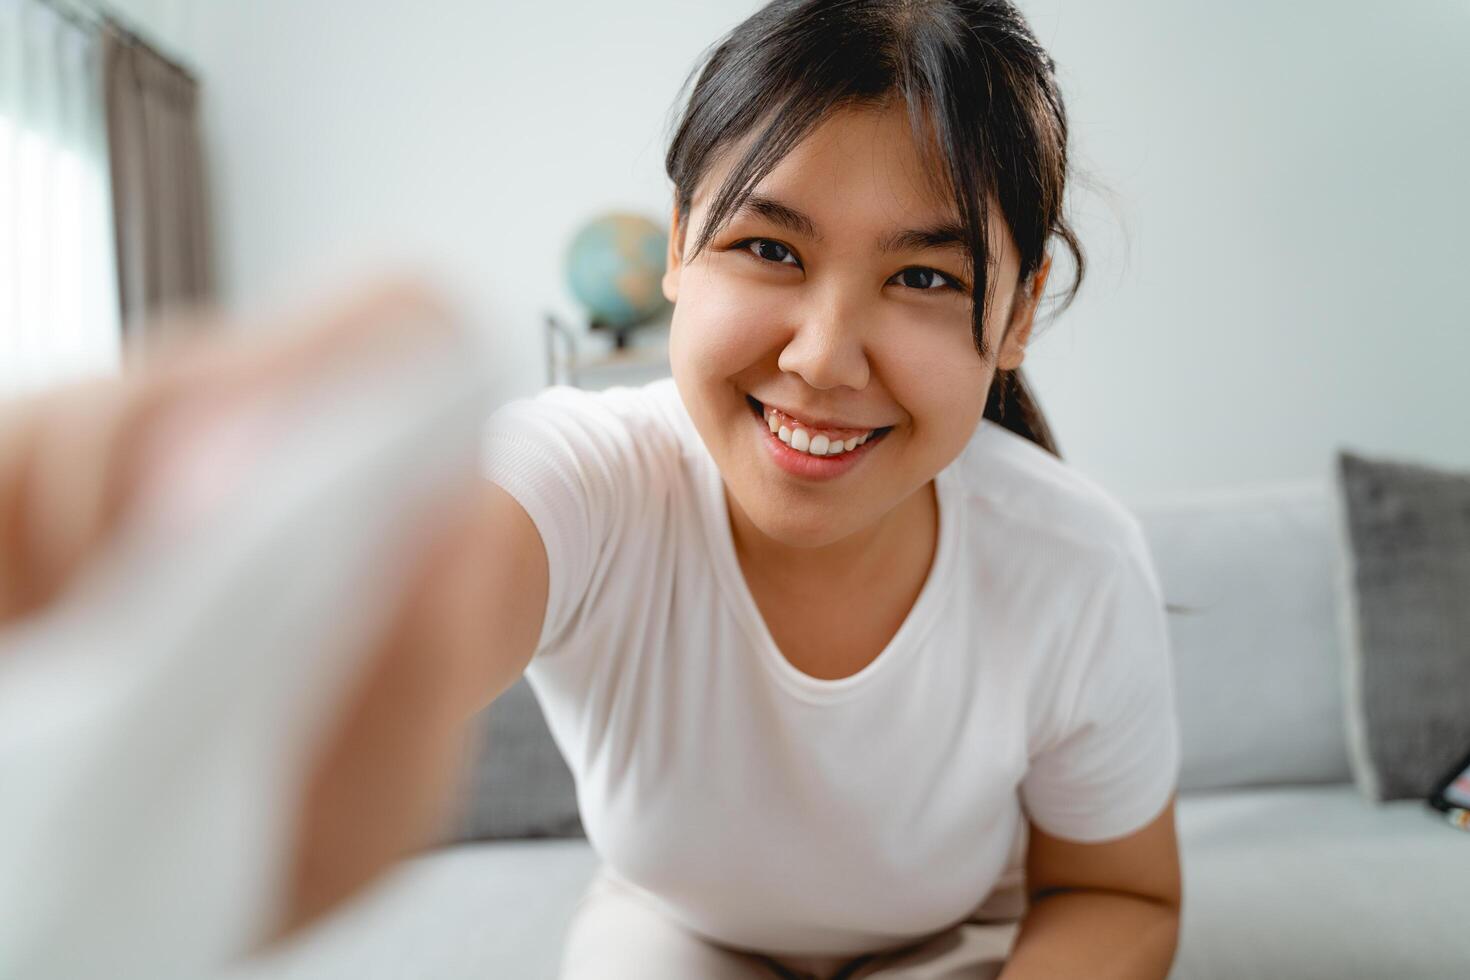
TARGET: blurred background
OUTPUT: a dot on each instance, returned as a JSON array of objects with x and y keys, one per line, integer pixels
[{"x": 1269, "y": 360}]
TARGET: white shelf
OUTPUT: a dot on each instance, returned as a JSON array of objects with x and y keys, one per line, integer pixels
[{"x": 583, "y": 359}]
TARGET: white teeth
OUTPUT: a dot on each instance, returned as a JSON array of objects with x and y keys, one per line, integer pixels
[{"x": 818, "y": 445}]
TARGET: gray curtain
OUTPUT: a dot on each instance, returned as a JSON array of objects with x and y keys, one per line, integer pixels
[{"x": 164, "y": 256}]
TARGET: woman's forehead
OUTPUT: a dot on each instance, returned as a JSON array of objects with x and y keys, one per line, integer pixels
[{"x": 856, "y": 157}]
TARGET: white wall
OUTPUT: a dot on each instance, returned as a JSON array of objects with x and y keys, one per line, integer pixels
[
  {"x": 1293, "y": 275},
  {"x": 1279, "y": 263}
]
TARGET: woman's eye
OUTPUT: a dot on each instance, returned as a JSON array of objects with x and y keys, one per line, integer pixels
[
  {"x": 767, "y": 250},
  {"x": 928, "y": 279}
]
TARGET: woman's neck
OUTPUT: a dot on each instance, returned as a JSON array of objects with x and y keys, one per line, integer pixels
[{"x": 898, "y": 544}]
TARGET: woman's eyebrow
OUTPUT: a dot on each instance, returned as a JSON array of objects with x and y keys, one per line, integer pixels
[{"x": 947, "y": 234}]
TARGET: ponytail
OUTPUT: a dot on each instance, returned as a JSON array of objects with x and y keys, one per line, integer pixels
[{"x": 1012, "y": 405}]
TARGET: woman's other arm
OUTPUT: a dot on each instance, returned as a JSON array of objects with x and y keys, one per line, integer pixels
[{"x": 1100, "y": 910}]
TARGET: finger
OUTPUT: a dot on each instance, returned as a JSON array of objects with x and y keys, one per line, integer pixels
[
  {"x": 19, "y": 435},
  {"x": 65, "y": 495},
  {"x": 387, "y": 314},
  {"x": 221, "y": 401},
  {"x": 250, "y": 372},
  {"x": 72, "y": 460}
]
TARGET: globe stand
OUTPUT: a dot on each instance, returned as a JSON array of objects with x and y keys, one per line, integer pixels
[
  {"x": 628, "y": 361},
  {"x": 620, "y": 334}
]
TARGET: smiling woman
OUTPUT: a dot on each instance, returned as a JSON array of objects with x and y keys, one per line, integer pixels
[{"x": 840, "y": 651}]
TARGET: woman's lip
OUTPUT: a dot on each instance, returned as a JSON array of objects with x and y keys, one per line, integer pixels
[
  {"x": 805, "y": 465},
  {"x": 817, "y": 422}
]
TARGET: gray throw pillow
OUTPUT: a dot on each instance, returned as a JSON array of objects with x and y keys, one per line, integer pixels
[
  {"x": 1406, "y": 618},
  {"x": 515, "y": 782}
]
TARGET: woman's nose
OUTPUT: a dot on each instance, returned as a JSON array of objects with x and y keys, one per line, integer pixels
[{"x": 827, "y": 352}]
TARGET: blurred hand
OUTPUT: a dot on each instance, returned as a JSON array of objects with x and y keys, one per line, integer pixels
[{"x": 75, "y": 459}]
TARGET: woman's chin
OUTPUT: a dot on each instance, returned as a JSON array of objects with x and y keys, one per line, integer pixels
[{"x": 796, "y": 529}]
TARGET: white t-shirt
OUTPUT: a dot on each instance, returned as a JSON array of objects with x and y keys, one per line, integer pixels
[{"x": 771, "y": 810}]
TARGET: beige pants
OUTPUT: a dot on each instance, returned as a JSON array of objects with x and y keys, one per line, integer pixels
[{"x": 616, "y": 933}]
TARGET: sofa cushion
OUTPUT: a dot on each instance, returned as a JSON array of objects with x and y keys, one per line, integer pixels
[
  {"x": 1294, "y": 882},
  {"x": 515, "y": 782},
  {"x": 1248, "y": 575},
  {"x": 1316, "y": 883},
  {"x": 1406, "y": 599}
]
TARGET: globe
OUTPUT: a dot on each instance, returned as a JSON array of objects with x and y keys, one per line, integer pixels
[{"x": 615, "y": 265}]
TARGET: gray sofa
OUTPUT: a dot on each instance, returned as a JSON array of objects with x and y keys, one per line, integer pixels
[{"x": 1290, "y": 872}]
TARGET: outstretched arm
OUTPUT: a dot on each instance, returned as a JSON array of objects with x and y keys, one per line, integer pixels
[
  {"x": 75, "y": 460},
  {"x": 463, "y": 636}
]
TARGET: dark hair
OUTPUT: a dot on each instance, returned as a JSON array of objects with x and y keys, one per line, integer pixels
[{"x": 970, "y": 69}]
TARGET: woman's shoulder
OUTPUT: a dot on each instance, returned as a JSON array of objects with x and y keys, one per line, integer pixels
[
  {"x": 642, "y": 419},
  {"x": 616, "y": 450},
  {"x": 1007, "y": 477}
]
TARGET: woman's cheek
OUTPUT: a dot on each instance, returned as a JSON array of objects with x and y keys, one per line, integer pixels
[
  {"x": 938, "y": 377},
  {"x": 724, "y": 327}
]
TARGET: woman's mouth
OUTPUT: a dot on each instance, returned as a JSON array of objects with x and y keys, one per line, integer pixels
[{"x": 806, "y": 450}]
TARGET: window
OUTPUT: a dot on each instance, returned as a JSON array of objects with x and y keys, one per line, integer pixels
[{"x": 59, "y": 316}]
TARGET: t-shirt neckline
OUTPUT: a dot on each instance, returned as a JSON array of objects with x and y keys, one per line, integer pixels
[{"x": 911, "y": 631}]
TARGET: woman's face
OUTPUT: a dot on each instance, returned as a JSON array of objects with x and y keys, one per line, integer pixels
[{"x": 813, "y": 310}]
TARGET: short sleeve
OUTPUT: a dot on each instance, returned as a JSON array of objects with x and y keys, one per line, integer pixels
[
  {"x": 570, "y": 458},
  {"x": 1113, "y": 764}
]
